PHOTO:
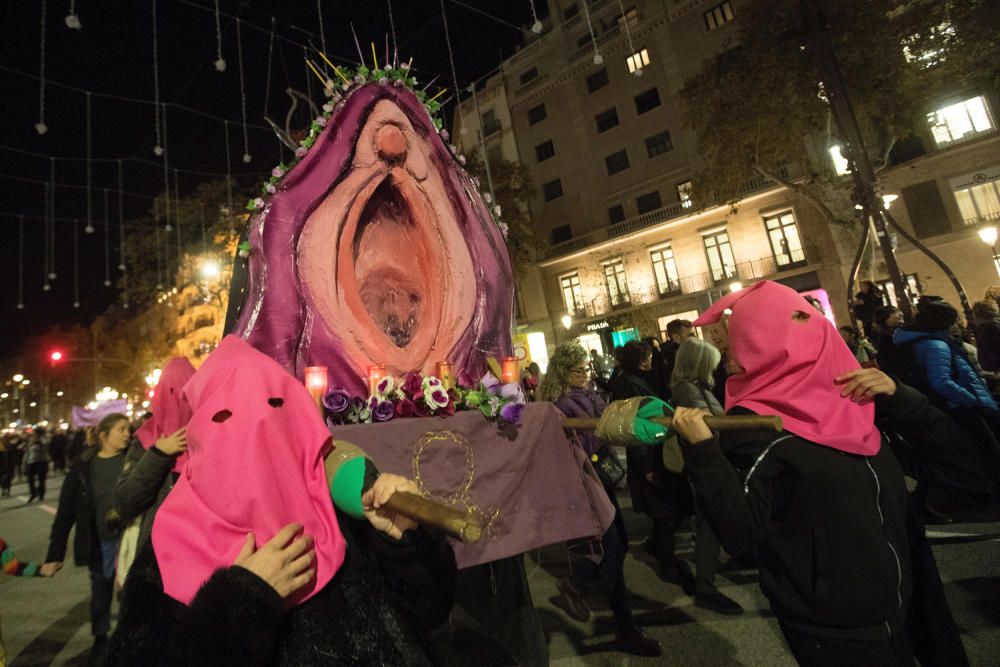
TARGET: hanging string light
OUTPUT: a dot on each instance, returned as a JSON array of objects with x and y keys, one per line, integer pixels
[
  {"x": 20, "y": 262},
  {"x": 90, "y": 195},
  {"x": 166, "y": 174},
  {"x": 159, "y": 266},
  {"x": 451, "y": 57},
  {"x": 628, "y": 37},
  {"x": 51, "y": 271},
  {"x": 270, "y": 55},
  {"x": 158, "y": 148},
  {"x": 121, "y": 219},
  {"x": 40, "y": 126},
  {"x": 598, "y": 58},
  {"x": 229, "y": 178},
  {"x": 243, "y": 94},
  {"x": 220, "y": 62},
  {"x": 73, "y": 19},
  {"x": 76, "y": 263},
  {"x": 107, "y": 242},
  {"x": 536, "y": 27},
  {"x": 46, "y": 221}
]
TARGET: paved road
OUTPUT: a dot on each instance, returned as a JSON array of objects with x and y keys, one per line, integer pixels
[{"x": 47, "y": 621}]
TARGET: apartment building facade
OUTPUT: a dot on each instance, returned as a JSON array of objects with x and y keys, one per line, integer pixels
[{"x": 611, "y": 156}]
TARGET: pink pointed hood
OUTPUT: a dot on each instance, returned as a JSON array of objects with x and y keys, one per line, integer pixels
[
  {"x": 170, "y": 410},
  {"x": 789, "y": 367},
  {"x": 256, "y": 444}
]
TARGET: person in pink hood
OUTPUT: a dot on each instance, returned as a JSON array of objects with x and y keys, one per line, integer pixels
[
  {"x": 250, "y": 563},
  {"x": 843, "y": 559}
]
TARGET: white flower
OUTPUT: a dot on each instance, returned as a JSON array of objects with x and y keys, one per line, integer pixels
[
  {"x": 404, "y": 66},
  {"x": 435, "y": 397},
  {"x": 398, "y": 83},
  {"x": 271, "y": 189},
  {"x": 496, "y": 210},
  {"x": 385, "y": 387},
  {"x": 258, "y": 202},
  {"x": 277, "y": 172},
  {"x": 504, "y": 229},
  {"x": 444, "y": 134},
  {"x": 359, "y": 79},
  {"x": 328, "y": 108},
  {"x": 461, "y": 159},
  {"x": 383, "y": 81},
  {"x": 321, "y": 121},
  {"x": 345, "y": 86},
  {"x": 488, "y": 197},
  {"x": 301, "y": 151},
  {"x": 430, "y": 382}
]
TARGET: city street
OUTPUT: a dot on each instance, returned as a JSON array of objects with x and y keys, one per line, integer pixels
[{"x": 46, "y": 621}]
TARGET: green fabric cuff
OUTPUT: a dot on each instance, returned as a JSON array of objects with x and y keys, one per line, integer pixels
[{"x": 346, "y": 487}]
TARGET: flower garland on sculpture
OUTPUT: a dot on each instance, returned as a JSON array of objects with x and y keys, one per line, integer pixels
[
  {"x": 399, "y": 76},
  {"x": 417, "y": 395}
]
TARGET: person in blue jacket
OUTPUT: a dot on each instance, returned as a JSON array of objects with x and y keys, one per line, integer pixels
[{"x": 942, "y": 371}]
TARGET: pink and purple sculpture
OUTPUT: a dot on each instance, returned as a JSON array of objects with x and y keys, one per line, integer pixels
[{"x": 377, "y": 248}]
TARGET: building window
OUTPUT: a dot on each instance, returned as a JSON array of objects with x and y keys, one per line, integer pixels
[
  {"x": 630, "y": 16},
  {"x": 572, "y": 293},
  {"x": 561, "y": 234},
  {"x": 491, "y": 123},
  {"x": 647, "y": 101},
  {"x": 783, "y": 234},
  {"x": 529, "y": 75},
  {"x": 684, "y": 191},
  {"x": 637, "y": 60},
  {"x": 544, "y": 151},
  {"x": 597, "y": 80},
  {"x": 616, "y": 214},
  {"x": 720, "y": 255},
  {"x": 979, "y": 199},
  {"x": 665, "y": 270},
  {"x": 911, "y": 285},
  {"x": 617, "y": 162},
  {"x": 648, "y": 202},
  {"x": 606, "y": 120},
  {"x": 658, "y": 144},
  {"x": 537, "y": 114},
  {"x": 614, "y": 277},
  {"x": 552, "y": 190},
  {"x": 960, "y": 121},
  {"x": 718, "y": 15}
]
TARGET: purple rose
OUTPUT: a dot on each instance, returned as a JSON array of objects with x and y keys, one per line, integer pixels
[
  {"x": 404, "y": 407},
  {"x": 512, "y": 412},
  {"x": 357, "y": 404},
  {"x": 412, "y": 385},
  {"x": 383, "y": 411},
  {"x": 490, "y": 383},
  {"x": 512, "y": 392},
  {"x": 336, "y": 400}
]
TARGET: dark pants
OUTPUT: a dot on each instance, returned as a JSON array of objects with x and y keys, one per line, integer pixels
[
  {"x": 611, "y": 570},
  {"x": 102, "y": 589},
  {"x": 664, "y": 541},
  {"x": 36, "y": 479},
  {"x": 496, "y": 595},
  {"x": 706, "y": 553},
  {"x": 813, "y": 651}
]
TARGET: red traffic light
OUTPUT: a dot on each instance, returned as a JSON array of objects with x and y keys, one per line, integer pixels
[{"x": 56, "y": 355}]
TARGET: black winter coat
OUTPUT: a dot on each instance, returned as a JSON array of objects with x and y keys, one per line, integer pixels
[
  {"x": 76, "y": 506},
  {"x": 377, "y": 610},
  {"x": 146, "y": 479},
  {"x": 834, "y": 531}
]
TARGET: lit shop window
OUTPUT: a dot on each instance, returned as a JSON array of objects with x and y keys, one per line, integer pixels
[{"x": 718, "y": 15}]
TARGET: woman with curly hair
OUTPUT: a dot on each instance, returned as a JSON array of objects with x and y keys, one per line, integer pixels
[{"x": 567, "y": 384}]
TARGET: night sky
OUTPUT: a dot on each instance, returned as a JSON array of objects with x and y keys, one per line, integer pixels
[{"x": 112, "y": 55}]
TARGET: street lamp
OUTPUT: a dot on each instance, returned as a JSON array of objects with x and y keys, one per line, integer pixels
[
  {"x": 735, "y": 286},
  {"x": 18, "y": 377},
  {"x": 988, "y": 235},
  {"x": 567, "y": 321}
]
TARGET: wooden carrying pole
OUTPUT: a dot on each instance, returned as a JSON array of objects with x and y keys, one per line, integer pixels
[
  {"x": 457, "y": 524},
  {"x": 734, "y": 423}
]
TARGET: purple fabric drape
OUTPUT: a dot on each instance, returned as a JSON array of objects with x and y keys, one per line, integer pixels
[
  {"x": 83, "y": 416},
  {"x": 536, "y": 490}
]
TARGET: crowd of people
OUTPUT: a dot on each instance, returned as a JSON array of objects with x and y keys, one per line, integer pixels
[{"x": 821, "y": 509}]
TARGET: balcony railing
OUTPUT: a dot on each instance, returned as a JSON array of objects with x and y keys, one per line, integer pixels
[
  {"x": 660, "y": 215},
  {"x": 992, "y": 217},
  {"x": 748, "y": 271},
  {"x": 603, "y": 39},
  {"x": 531, "y": 85}
]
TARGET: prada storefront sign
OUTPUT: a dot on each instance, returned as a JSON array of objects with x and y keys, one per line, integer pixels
[{"x": 599, "y": 326}]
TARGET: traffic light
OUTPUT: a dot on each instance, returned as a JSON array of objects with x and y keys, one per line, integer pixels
[{"x": 55, "y": 356}]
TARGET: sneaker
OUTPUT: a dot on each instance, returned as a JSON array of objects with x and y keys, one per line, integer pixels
[
  {"x": 679, "y": 573},
  {"x": 571, "y": 601},
  {"x": 718, "y": 602},
  {"x": 632, "y": 640}
]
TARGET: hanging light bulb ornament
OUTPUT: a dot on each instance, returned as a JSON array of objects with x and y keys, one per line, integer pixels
[
  {"x": 46, "y": 287},
  {"x": 89, "y": 229},
  {"x": 247, "y": 158},
  {"x": 73, "y": 21},
  {"x": 598, "y": 59},
  {"x": 158, "y": 150},
  {"x": 107, "y": 283},
  {"x": 52, "y": 275},
  {"x": 41, "y": 128}
]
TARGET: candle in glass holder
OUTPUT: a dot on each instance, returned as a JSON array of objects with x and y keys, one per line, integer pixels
[
  {"x": 444, "y": 374},
  {"x": 375, "y": 374},
  {"x": 316, "y": 381},
  {"x": 510, "y": 370}
]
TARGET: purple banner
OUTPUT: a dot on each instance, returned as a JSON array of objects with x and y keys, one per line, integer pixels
[
  {"x": 87, "y": 417},
  {"x": 531, "y": 492}
]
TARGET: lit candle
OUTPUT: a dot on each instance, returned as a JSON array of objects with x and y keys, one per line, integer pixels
[
  {"x": 444, "y": 374},
  {"x": 316, "y": 381},
  {"x": 510, "y": 370},
  {"x": 375, "y": 374}
]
